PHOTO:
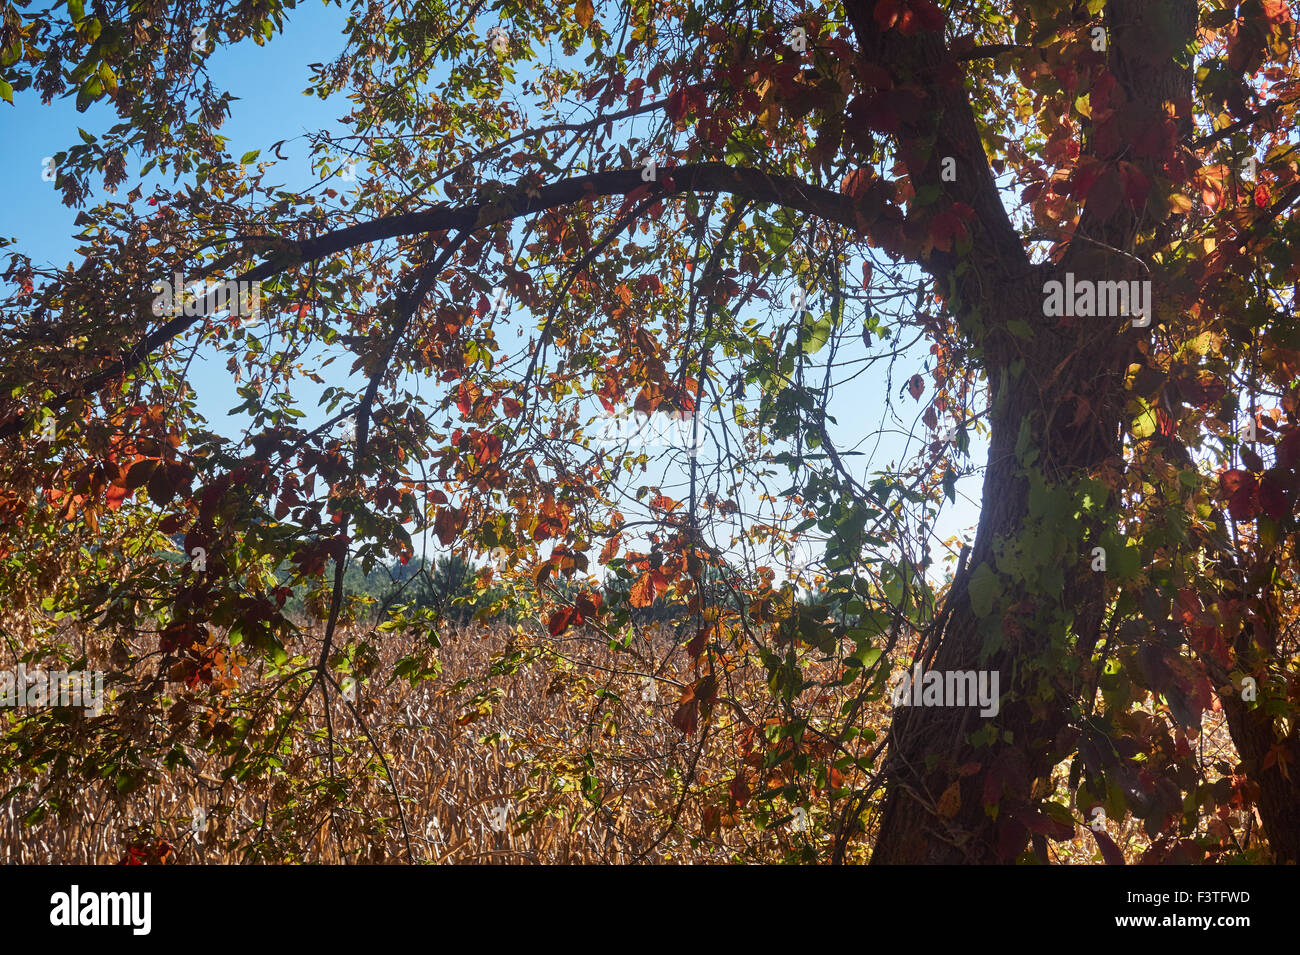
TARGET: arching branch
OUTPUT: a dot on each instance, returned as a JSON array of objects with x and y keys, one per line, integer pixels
[{"x": 700, "y": 177}]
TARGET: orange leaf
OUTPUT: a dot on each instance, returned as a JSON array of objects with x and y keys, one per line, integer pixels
[
  {"x": 855, "y": 185},
  {"x": 114, "y": 496},
  {"x": 643, "y": 592}
]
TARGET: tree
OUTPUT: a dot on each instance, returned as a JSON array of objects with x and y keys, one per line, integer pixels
[{"x": 1086, "y": 210}]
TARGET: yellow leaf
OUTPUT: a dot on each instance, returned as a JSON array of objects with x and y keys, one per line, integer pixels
[{"x": 950, "y": 801}]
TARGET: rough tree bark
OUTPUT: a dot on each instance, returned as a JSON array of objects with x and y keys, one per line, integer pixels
[{"x": 930, "y": 752}]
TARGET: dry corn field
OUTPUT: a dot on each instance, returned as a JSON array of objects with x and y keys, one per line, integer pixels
[{"x": 572, "y": 758}]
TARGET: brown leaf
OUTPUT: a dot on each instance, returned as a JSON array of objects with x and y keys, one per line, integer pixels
[
  {"x": 584, "y": 12},
  {"x": 687, "y": 717}
]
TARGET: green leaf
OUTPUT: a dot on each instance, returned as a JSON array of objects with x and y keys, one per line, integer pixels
[
  {"x": 250, "y": 156},
  {"x": 818, "y": 335},
  {"x": 983, "y": 588},
  {"x": 1026, "y": 453},
  {"x": 1020, "y": 328},
  {"x": 6, "y": 92}
]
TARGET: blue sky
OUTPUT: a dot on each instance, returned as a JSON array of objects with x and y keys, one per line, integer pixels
[{"x": 268, "y": 82}]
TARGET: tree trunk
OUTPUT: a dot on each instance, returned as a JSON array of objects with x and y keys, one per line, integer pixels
[
  {"x": 1061, "y": 394},
  {"x": 1279, "y": 796},
  {"x": 929, "y": 749}
]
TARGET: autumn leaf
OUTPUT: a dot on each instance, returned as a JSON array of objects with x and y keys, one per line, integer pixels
[
  {"x": 560, "y": 621},
  {"x": 1109, "y": 851},
  {"x": 700, "y": 694},
  {"x": 855, "y": 184},
  {"x": 584, "y": 12},
  {"x": 661, "y": 502},
  {"x": 114, "y": 496},
  {"x": 950, "y": 802},
  {"x": 1242, "y": 492},
  {"x": 643, "y": 592},
  {"x": 945, "y": 228},
  {"x": 886, "y": 13},
  {"x": 687, "y": 715}
]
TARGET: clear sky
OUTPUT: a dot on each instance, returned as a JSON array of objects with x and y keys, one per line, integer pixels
[{"x": 268, "y": 82}]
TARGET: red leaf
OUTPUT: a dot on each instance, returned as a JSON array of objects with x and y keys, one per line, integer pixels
[
  {"x": 1272, "y": 498},
  {"x": 992, "y": 793},
  {"x": 560, "y": 621},
  {"x": 1136, "y": 186},
  {"x": 687, "y": 716},
  {"x": 1288, "y": 450},
  {"x": 1109, "y": 851},
  {"x": 1012, "y": 836},
  {"x": 676, "y": 105},
  {"x": 944, "y": 228},
  {"x": 587, "y": 606},
  {"x": 915, "y": 385},
  {"x": 879, "y": 114},
  {"x": 114, "y": 496},
  {"x": 874, "y": 76},
  {"x": 855, "y": 185},
  {"x": 447, "y": 524},
  {"x": 633, "y": 197},
  {"x": 887, "y": 12},
  {"x": 1045, "y": 825},
  {"x": 929, "y": 14},
  {"x": 1242, "y": 492},
  {"x": 1105, "y": 195}
]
